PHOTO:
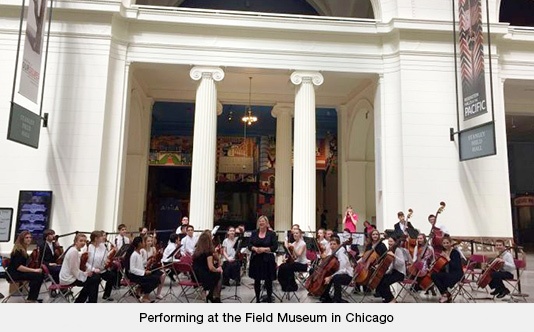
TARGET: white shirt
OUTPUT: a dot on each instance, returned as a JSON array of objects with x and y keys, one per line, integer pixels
[
  {"x": 399, "y": 263},
  {"x": 70, "y": 269},
  {"x": 136, "y": 264},
  {"x": 509, "y": 264},
  {"x": 121, "y": 240},
  {"x": 228, "y": 246},
  {"x": 442, "y": 228},
  {"x": 97, "y": 257},
  {"x": 188, "y": 245},
  {"x": 167, "y": 258},
  {"x": 296, "y": 247},
  {"x": 344, "y": 263}
]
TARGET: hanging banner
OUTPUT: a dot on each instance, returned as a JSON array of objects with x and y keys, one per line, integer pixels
[
  {"x": 472, "y": 59},
  {"x": 33, "y": 46}
]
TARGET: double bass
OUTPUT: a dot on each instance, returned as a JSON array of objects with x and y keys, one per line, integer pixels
[
  {"x": 410, "y": 242},
  {"x": 436, "y": 234},
  {"x": 315, "y": 283}
]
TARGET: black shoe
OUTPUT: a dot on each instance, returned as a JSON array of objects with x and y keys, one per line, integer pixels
[
  {"x": 108, "y": 299},
  {"x": 237, "y": 283},
  {"x": 495, "y": 292},
  {"x": 376, "y": 295},
  {"x": 503, "y": 293},
  {"x": 325, "y": 299}
]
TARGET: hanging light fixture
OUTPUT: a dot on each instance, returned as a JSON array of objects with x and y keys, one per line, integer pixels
[{"x": 249, "y": 118}]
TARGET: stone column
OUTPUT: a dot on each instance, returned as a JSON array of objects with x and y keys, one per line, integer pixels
[
  {"x": 201, "y": 210},
  {"x": 283, "y": 183},
  {"x": 304, "y": 190}
]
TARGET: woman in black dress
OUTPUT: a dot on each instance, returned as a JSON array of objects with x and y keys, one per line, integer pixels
[
  {"x": 204, "y": 266},
  {"x": 451, "y": 274},
  {"x": 263, "y": 244}
]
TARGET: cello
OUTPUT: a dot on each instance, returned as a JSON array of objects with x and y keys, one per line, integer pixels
[
  {"x": 315, "y": 283},
  {"x": 494, "y": 266},
  {"x": 363, "y": 268},
  {"x": 381, "y": 269},
  {"x": 426, "y": 282}
]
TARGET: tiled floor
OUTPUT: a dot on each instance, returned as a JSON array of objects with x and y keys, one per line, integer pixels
[{"x": 245, "y": 292}]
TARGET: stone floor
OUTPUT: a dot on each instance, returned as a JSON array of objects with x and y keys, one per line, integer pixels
[{"x": 245, "y": 293}]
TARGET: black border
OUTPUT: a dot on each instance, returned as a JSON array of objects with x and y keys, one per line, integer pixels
[{"x": 10, "y": 224}]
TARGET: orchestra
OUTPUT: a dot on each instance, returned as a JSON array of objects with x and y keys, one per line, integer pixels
[{"x": 432, "y": 262}]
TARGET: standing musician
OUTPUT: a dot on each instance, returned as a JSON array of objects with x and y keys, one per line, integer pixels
[
  {"x": 262, "y": 245},
  {"x": 122, "y": 238},
  {"x": 395, "y": 273},
  {"x": 208, "y": 274},
  {"x": 71, "y": 274},
  {"x": 231, "y": 265},
  {"x": 50, "y": 252},
  {"x": 19, "y": 270},
  {"x": 402, "y": 226},
  {"x": 505, "y": 273},
  {"x": 136, "y": 272},
  {"x": 342, "y": 277},
  {"x": 451, "y": 274},
  {"x": 436, "y": 227},
  {"x": 98, "y": 257},
  {"x": 297, "y": 262}
]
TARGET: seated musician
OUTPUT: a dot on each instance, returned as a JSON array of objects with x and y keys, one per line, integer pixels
[
  {"x": 19, "y": 270},
  {"x": 136, "y": 272},
  {"x": 423, "y": 257},
  {"x": 402, "y": 226},
  {"x": 231, "y": 265},
  {"x": 168, "y": 256},
  {"x": 322, "y": 242},
  {"x": 149, "y": 254},
  {"x": 505, "y": 273},
  {"x": 206, "y": 271},
  {"x": 297, "y": 262},
  {"x": 451, "y": 274},
  {"x": 71, "y": 274},
  {"x": 342, "y": 277},
  {"x": 328, "y": 234},
  {"x": 97, "y": 260},
  {"x": 289, "y": 235},
  {"x": 189, "y": 241},
  {"x": 395, "y": 273},
  {"x": 50, "y": 251},
  {"x": 375, "y": 243}
]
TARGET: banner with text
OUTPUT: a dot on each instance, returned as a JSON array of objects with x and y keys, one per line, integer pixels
[
  {"x": 472, "y": 59},
  {"x": 33, "y": 46}
]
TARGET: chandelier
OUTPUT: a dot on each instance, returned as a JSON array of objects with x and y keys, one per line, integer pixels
[{"x": 249, "y": 118}]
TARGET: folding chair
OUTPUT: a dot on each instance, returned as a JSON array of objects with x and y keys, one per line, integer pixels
[
  {"x": 188, "y": 282},
  {"x": 131, "y": 287},
  {"x": 515, "y": 293},
  {"x": 57, "y": 291},
  {"x": 407, "y": 286},
  {"x": 468, "y": 284},
  {"x": 16, "y": 288}
]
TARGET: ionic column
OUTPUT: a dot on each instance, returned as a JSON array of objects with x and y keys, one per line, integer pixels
[
  {"x": 202, "y": 197},
  {"x": 282, "y": 185},
  {"x": 304, "y": 189}
]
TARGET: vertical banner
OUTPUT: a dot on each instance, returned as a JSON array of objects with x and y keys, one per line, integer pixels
[
  {"x": 33, "y": 46},
  {"x": 472, "y": 59}
]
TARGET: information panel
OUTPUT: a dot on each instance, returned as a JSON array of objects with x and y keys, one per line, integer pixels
[
  {"x": 34, "y": 212},
  {"x": 477, "y": 142}
]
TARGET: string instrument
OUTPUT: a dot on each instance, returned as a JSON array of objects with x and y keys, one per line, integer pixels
[
  {"x": 415, "y": 268},
  {"x": 436, "y": 234},
  {"x": 426, "y": 282},
  {"x": 33, "y": 260},
  {"x": 494, "y": 266},
  {"x": 381, "y": 269},
  {"x": 58, "y": 249},
  {"x": 410, "y": 242},
  {"x": 83, "y": 261},
  {"x": 363, "y": 268},
  {"x": 109, "y": 259},
  {"x": 329, "y": 265},
  {"x": 154, "y": 261},
  {"x": 290, "y": 254}
]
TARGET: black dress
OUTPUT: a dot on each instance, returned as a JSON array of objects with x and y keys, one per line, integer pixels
[
  {"x": 263, "y": 266},
  {"x": 207, "y": 278}
]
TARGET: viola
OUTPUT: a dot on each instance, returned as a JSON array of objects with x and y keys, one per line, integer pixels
[
  {"x": 315, "y": 283},
  {"x": 154, "y": 261},
  {"x": 83, "y": 261},
  {"x": 33, "y": 262},
  {"x": 381, "y": 270}
]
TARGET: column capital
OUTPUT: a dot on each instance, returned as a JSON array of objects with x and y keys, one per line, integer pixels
[
  {"x": 297, "y": 77},
  {"x": 216, "y": 73},
  {"x": 282, "y": 108}
]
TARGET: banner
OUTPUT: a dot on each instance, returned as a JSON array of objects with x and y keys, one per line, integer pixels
[
  {"x": 472, "y": 59},
  {"x": 33, "y": 46}
]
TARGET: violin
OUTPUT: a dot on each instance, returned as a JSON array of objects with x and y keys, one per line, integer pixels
[
  {"x": 154, "y": 261},
  {"x": 109, "y": 259}
]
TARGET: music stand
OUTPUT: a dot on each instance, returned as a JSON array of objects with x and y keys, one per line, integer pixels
[{"x": 171, "y": 292}]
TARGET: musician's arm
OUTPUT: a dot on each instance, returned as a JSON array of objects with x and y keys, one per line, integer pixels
[{"x": 509, "y": 264}]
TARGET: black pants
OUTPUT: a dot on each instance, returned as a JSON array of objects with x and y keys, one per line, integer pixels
[
  {"x": 35, "y": 281},
  {"x": 497, "y": 278},
  {"x": 337, "y": 281},
  {"x": 443, "y": 281},
  {"x": 231, "y": 270},
  {"x": 89, "y": 292},
  {"x": 147, "y": 283},
  {"x": 286, "y": 275},
  {"x": 384, "y": 289},
  {"x": 110, "y": 276},
  {"x": 268, "y": 288}
]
